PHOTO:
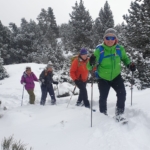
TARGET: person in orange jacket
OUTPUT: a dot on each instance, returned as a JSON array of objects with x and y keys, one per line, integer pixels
[{"x": 79, "y": 75}]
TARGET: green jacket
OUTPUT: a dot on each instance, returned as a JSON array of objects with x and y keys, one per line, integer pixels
[{"x": 110, "y": 67}]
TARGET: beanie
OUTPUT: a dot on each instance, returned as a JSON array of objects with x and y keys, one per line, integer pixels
[
  {"x": 28, "y": 68},
  {"x": 49, "y": 65},
  {"x": 83, "y": 51},
  {"x": 111, "y": 31}
]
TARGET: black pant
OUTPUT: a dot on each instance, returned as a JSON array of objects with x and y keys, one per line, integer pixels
[
  {"x": 104, "y": 87},
  {"x": 83, "y": 93},
  {"x": 47, "y": 89}
]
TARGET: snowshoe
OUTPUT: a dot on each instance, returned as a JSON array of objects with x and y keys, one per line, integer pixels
[
  {"x": 79, "y": 104},
  {"x": 121, "y": 119},
  {"x": 53, "y": 102}
]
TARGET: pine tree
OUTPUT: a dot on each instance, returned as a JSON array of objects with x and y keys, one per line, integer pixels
[
  {"x": 66, "y": 31},
  {"x": 48, "y": 26},
  {"x": 137, "y": 35},
  {"x": 3, "y": 73},
  {"x": 138, "y": 25},
  {"x": 145, "y": 7},
  {"x": 97, "y": 30},
  {"x": 106, "y": 17},
  {"x": 81, "y": 23},
  {"x": 102, "y": 23},
  {"x": 5, "y": 42}
]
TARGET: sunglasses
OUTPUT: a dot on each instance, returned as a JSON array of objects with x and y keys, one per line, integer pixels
[{"x": 110, "y": 38}]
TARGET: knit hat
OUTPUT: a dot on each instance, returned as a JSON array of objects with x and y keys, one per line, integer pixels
[
  {"x": 49, "y": 65},
  {"x": 83, "y": 51},
  {"x": 112, "y": 31},
  {"x": 28, "y": 68}
]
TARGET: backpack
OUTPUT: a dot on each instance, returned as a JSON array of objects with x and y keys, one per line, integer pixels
[
  {"x": 73, "y": 58},
  {"x": 101, "y": 49}
]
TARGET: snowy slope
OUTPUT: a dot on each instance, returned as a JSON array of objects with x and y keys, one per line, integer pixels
[{"x": 61, "y": 128}]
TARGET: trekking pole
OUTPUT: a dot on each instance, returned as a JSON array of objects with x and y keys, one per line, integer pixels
[
  {"x": 132, "y": 82},
  {"x": 71, "y": 95},
  {"x": 92, "y": 94},
  {"x": 58, "y": 89},
  {"x": 22, "y": 96}
]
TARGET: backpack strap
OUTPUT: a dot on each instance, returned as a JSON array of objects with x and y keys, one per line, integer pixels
[
  {"x": 101, "y": 49},
  {"x": 118, "y": 51}
]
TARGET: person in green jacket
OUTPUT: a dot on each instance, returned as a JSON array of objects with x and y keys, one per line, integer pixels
[{"x": 109, "y": 72}]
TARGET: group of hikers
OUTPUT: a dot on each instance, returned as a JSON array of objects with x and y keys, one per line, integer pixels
[
  {"x": 105, "y": 62},
  {"x": 45, "y": 80}
]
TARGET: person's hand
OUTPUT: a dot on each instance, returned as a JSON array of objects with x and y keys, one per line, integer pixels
[
  {"x": 92, "y": 60},
  {"x": 42, "y": 80},
  {"x": 55, "y": 82},
  {"x": 77, "y": 82},
  {"x": 132, "y": 66},
  {"x": 24, "y": 83}
]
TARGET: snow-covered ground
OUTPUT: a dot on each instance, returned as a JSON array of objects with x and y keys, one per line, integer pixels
[{"x": 61, "y": 128}]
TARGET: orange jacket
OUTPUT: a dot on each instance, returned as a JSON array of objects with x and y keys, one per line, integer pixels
[{"x": 78, "y": 70}]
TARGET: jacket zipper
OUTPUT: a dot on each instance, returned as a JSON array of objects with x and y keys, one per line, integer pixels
[{"x": 112, "y": 65}]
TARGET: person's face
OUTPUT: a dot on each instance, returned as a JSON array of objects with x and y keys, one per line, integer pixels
[
  {"x": 28, "y": 71},
  {"x": 49, "y": 69},
  {"x": 109, "y": 39},
  {"x": 84, "y": 57}
]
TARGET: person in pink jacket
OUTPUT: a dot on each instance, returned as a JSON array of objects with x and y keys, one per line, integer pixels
[{"x": 27, "y": 80}]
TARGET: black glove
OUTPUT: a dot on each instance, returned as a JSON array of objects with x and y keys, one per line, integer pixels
[
  {"x": 77, "y": 82},
  {"x": 55, "y": 82},
  {"x": 132, "y": 66},
  {"x": 92, "y": 60}
]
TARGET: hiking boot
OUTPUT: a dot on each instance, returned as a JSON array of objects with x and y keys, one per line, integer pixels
[
  {"x": 87, "y": 106},
  {"x": 120, "y": 118},
  {"x": 119, "y": 114},
  {"x": 79, "y": 104},
  {"x": 105, "y": 113},
  {"x": 53, "y": 102},
  {"x": 42, "y": 103}
]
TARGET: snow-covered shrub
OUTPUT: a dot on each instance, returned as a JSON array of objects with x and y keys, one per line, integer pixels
[{"x": 10, "y": 144}]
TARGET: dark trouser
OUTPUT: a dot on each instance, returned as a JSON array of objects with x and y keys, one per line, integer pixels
[
  {"x": 31, "y": 96},
  {"x": 48, "y": 89},
  {"x": 104, "y": 87},
  {"x": 83, "y": 94}
]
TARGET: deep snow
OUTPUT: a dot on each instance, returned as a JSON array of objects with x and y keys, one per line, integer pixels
[{"x": 60, "y": 128}]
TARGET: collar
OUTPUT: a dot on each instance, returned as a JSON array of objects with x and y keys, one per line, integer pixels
[{"x": 81, "y": 59}]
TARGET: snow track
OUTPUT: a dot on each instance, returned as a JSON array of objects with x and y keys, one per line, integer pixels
[{"x": 60, "y": 128}]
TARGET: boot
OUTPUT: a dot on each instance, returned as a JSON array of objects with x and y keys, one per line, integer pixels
[
  {"x": 53, "y": 102},
  {"x": 105, "y": 113},
  {"x": 42, "y": 103},
  {"x": 79, "y": 103},
  {"x": 119, "y": 114}
]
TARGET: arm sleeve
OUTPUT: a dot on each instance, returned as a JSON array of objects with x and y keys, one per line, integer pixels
[
  {"x": 41, "y": 76},
  {"x": 125, "y": 57},
  {"x": 73, "y": 69},
  {"x": 34, "y": 77},
  {"x": 22, "y": 79}
]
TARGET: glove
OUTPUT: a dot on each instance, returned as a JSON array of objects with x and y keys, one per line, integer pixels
[
  {"x": 77, "y": 82},
  {"x": 92, "y": 60},
  {"x": 55, "y": 82},
  {"x": 24, "y": 83},
  {"x": 132, "y": 66},
  {"x": 42, "y": 80}
]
